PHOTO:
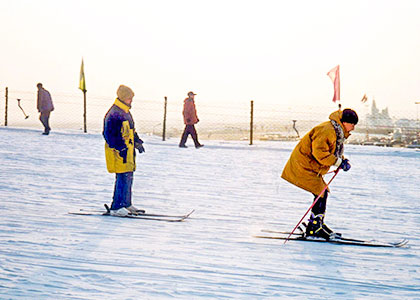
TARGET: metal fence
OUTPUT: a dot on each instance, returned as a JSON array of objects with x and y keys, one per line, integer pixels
[{"x": 228, "y": 121}]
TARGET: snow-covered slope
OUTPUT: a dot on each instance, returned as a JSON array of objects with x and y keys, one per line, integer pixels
[{"x": 236, "y": 191}]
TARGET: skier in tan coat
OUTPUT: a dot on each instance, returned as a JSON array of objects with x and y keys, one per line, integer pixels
[{"x": 320, "y": 149}]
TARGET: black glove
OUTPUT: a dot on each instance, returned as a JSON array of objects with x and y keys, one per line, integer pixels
[
  {"x": 140, "y": 148},
  {"x": 123, "y": 154},
  {"x": 138, "y": 143},
  {"x": 345, "y": 165}
]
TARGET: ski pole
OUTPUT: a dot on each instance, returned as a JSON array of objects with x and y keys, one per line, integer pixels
[
  {"x": 315, "y": 201},
  {"x": 22, "y": 109}
]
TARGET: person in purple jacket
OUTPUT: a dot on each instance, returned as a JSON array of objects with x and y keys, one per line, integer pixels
[{"x": 45, "y": 107}]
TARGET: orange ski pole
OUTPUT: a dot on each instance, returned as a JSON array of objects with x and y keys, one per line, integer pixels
[{"x": 315, "y": 201}]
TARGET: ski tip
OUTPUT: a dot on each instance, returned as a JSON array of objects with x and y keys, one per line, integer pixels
[
  {"x": 185, "y": 217},
  {"x": 402, "y": 243}
]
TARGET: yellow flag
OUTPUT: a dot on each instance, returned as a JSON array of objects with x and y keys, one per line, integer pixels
[{"x": 82, "y": 83}]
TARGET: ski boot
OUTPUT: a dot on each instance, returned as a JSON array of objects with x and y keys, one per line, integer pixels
[
  {"x": 122, "y": 212},
  {"x": 316, "y": 229},
  {"x": 333, "y": 235},
  {"x": 135, "y": 211}
]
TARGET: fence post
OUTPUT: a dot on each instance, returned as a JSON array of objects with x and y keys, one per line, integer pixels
[
  {"x": 251, "y": 131},
  {"x": 6, "y": 108},
  {"x": 164, "y": 119}
]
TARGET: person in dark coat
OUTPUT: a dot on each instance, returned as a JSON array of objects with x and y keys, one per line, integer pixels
[
  {"x": 121, "y": 140},
  {"x": 45, "y": 107},
  {"x": 190, "y": 119}
]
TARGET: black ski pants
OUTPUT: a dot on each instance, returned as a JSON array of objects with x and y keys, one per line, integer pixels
[
  {"x": 321, "y": 204},
  {"x": 189, "y": 129}
]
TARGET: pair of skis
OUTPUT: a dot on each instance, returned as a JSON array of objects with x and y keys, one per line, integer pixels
[
  {"x": 274, "y": 235},
  {"x": 139, "y": 215},
  {"x": 283, "y": 235}
]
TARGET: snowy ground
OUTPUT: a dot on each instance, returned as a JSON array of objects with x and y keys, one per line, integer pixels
[{"x": 236, "y": 191}]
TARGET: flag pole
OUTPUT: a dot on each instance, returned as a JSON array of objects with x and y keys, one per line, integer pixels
[
  {"x": 82, "y": 86},
  {"x": 84, "y": 111}
]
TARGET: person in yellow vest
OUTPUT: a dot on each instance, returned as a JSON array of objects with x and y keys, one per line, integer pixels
[
  {"x": 121, "y": 140},
  {"x": 320, "y": 149}
]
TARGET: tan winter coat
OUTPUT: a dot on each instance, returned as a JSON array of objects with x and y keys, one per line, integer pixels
[{"x": 313, "y": 156}]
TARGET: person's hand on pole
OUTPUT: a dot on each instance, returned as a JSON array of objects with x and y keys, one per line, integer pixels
[{"x": 345, "y": 165}]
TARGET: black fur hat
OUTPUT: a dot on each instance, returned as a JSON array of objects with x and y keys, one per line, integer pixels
[{"x": 349, "y": 116}]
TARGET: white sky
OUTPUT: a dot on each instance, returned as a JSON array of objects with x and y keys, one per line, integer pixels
[{"x": 273, "y": 52}]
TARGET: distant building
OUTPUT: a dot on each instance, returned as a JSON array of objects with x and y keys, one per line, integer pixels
[
  {"x": 407, "y": 123},
  {"x": 378, "y": 118},
  {"x": 409, "y": 129}
]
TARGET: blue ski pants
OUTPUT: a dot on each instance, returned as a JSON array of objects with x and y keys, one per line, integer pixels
[{"x": 122, "y": 190}]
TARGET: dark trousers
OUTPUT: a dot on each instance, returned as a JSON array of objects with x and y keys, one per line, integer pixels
[
  {"x": 189, "y": 129},
  {"x": 44, "y": 118},
  {"x": 321, "y": 204},
  {"x": 122, "y": 190}
]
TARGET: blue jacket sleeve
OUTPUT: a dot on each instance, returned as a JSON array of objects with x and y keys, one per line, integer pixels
[
  {"x": 112, "y": 132},
  {"x": 137, "y": 139}
]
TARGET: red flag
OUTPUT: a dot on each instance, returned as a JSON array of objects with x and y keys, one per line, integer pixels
[{"x": 334, "y": 74}]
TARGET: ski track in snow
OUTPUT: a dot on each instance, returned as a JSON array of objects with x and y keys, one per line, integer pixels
[{"x": 236, "y": 191}]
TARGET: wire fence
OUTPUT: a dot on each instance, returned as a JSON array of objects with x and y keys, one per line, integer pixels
[{"x": 229, "y": 121}]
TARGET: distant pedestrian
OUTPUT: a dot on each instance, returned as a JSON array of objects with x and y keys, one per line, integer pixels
[
  {"x": 320, "y": 149},
  {"x": 45, "y": 107},
  {"x": 121, "y": 140},
  {"x": 190, "y": 119}
]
